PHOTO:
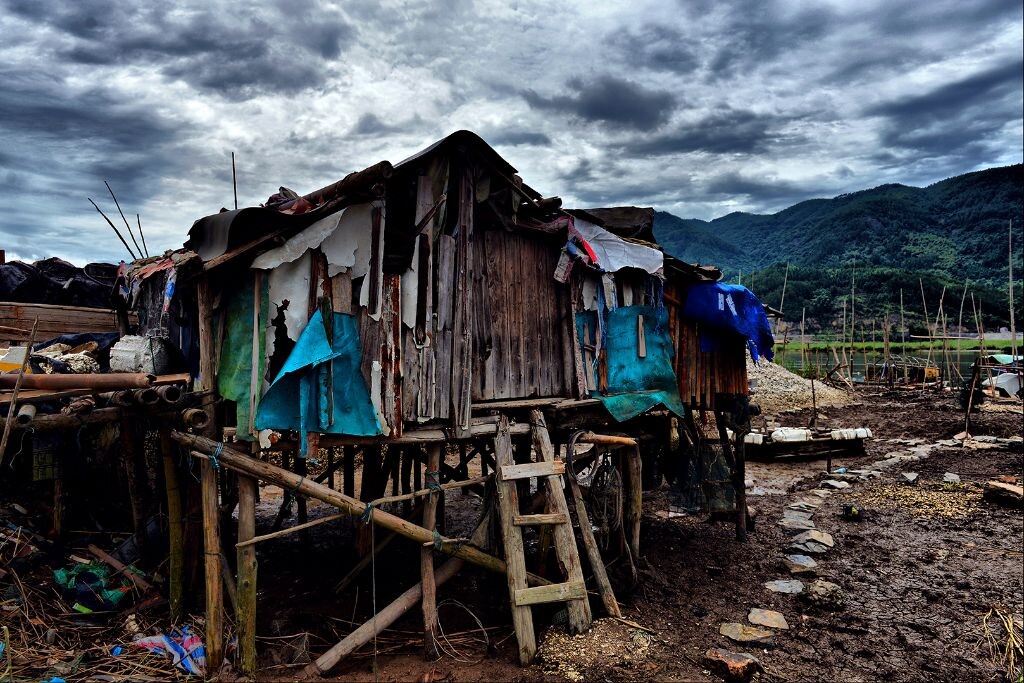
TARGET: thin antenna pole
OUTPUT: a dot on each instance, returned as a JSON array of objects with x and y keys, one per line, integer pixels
[
  {"x": 782, "y": 301},
  {"x": 903, "y": 338},
  {"x": 1013, "y": 324},
  {"x": 130, "y": 233},
  {"x": 114, "y": 228},
  {"x": 234, "y": 181},
  {"x": 141, "y": 236}
]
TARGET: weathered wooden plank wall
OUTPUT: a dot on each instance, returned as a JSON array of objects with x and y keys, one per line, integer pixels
[{"x": 518, "y": 342}]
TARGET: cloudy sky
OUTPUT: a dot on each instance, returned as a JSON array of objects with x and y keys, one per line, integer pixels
[{"x": 698, "y": 108}]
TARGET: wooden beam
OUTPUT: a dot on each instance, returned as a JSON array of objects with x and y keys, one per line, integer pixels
[
  {"x": 214, "y": 587},
  {"x": 558, "y": 592},
  {"x": 427, "y": 580}
]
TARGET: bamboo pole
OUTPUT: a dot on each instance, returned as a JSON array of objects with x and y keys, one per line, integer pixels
[
  {"x": 903, "y": 340},
  {"x": 803, "y": 340},
  {"x": 387, "y": 616},
  {"x": 960, "y": 324},
  {"x": 126, "y": 224},
  {"x": 1013, "y": 319},
  {"x": 12, "y": 409},
  {"x": 175, "y": 528},
  {"x": 427, "y": 581},
  {"x": 243, "y": 463},
  {"x": 247, "y": 571},
  {"x": 214, "y": 586}
]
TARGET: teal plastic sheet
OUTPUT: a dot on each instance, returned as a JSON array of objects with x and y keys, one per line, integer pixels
[
  {"x": 235, "y": 372},
  {"x": 635, "y": 384},
  {"x": 300, "y": 397}
]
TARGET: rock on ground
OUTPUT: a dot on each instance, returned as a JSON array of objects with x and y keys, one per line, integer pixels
[
  {"x": 736, "y": 667},
  {"x": 768, "y": 618},
  {"x": 825, "y": 595}
]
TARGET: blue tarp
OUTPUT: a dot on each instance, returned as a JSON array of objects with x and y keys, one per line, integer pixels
[
  {"x": 635, "y": 384},
  {"x": 298, "y": 398},
  {"x": 730, "y": 309}
]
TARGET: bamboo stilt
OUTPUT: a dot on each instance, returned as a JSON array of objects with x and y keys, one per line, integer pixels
[
  {"x": 214, "y": 587},
  {"x": 427, "y": 580},
  {"x": 175, "y": 528},
  {"x": 247, "y": 572}
]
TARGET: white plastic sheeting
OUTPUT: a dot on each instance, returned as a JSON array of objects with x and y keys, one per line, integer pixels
[{"x": 614, "y": 253}]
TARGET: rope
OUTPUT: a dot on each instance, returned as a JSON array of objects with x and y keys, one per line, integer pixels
[
  {"x": 214, "y": 462},
  {"x": 432, "y": 480},
  {"x": 446, "y": 645},
  {"x": 367, "y": 515}
]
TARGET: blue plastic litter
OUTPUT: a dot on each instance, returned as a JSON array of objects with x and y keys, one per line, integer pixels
[
  {"x": 840, "y": 470},
  {"x": 117, "y": 651}
]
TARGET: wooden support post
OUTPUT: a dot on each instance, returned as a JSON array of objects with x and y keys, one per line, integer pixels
[
  {"x": 427, "y": 556},
  {"x": 175, "y": 528},
  {"x": 633, "y": 510},
  {"x": 349, "y": 473},
  {"x": 740, "y": 484},
  {"x": 330, "y": 466},
  {"x": 407, "y": 463},
  {"x": 214, "y": 587},
  {"x": 133, "y": 475},
  {"x": 246, "y": 589},
  {"x": 604, "y": 586}
]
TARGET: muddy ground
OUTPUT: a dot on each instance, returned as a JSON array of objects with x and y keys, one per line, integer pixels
[{"x": 919, "y": 574}]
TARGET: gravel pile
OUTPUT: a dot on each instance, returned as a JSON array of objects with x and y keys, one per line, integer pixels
[{"x": 775, "y": 389}]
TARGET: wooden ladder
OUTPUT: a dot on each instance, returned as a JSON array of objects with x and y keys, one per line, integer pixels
[{"x": 548, "y": 471}]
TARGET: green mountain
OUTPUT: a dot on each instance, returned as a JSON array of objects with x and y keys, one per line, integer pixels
[{"x": 887, "y": 238}]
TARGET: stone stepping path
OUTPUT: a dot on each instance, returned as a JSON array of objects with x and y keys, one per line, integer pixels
[
  {"x": 741, "y": 633},
  {"x": 788, "y": 586},
  {"x": 768, "y": 618}
]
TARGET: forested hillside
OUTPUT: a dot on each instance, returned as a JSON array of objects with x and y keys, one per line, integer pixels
[{"x": 887, "y": 238}]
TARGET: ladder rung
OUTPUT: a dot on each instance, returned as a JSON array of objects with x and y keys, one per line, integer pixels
[
  {"x": 556, "y": 592},
  {"x": 551, "y": 518},
  {"x": 532, "y": 469}
]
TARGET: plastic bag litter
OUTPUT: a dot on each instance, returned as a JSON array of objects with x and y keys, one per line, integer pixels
[{"x": 184, "y": 646}]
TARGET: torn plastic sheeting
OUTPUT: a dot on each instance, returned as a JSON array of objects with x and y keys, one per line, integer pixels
[
  {"x": 297, "y": 398},
  {"x": 635, "y": 385},
  {"x": 350, "y": 245},
  {"x": 410, "y": 289},
  {"x": 290, "y": 282},
  {"x": 183, "y": 646},
  {"x": 235, "y": 377},
  {"x": 730, "y": 309},
  {"x": 309, "y": 238},
  {"x": 613, "y": 253}
]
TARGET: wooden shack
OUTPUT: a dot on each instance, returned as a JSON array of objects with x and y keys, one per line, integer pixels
[{"x": 429, "y": 313}]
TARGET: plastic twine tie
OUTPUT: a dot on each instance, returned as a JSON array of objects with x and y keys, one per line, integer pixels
[
  {"x": 433, "y": 483},
  {"x": 367, "y": 516},
  {"x": 216, "y": 454}
]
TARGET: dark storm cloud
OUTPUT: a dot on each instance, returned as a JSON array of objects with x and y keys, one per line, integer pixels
[
  {"x": 370, "y": 124},
  {"x": 958, "y": 120},
  {"x": 728, "y": 132},
  {"x": 273, "y": 50},
  {"x": 657, "y": 47},
  {"x": 754, "y": 34},
  {"x": 610, "y": 100},
  {"x": 515, "y": 138},
  {"x": 762, "y": 191}
]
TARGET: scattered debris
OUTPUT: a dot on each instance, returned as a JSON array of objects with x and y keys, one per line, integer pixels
[
  {"x": 835, "y": 484},
  {"x": 950, "y": 478},
  {"x": 909, "y": 478},
  {"x": 589, "y": 656},
  {"x": 768, "y": 618},
  {"x": 925, "y": 499},
  {"x": 777, "y": 389}
]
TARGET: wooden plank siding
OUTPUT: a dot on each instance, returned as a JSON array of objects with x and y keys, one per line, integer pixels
[
  {"x": 701, "y": 375},
  {"x": 518, "y": 340},
  {"x": 57, "y": 320}
]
